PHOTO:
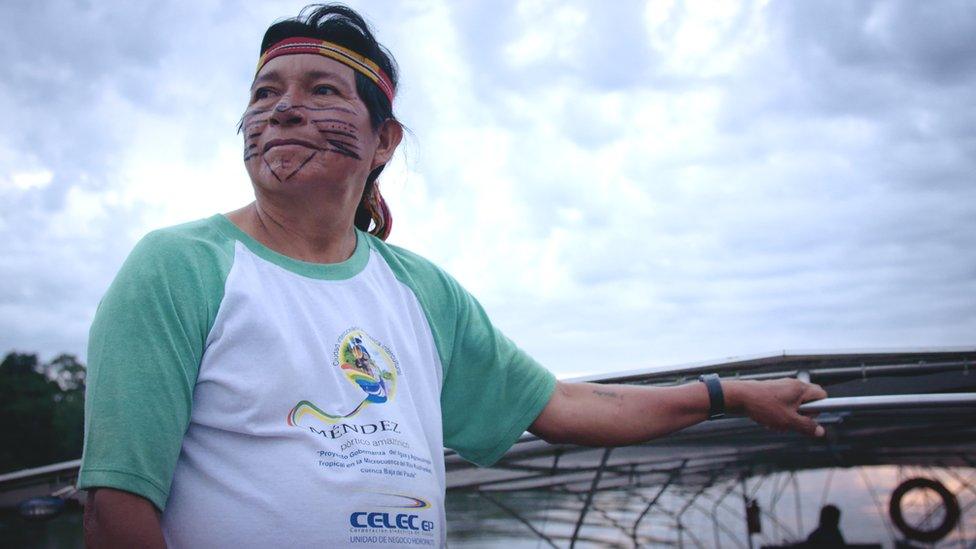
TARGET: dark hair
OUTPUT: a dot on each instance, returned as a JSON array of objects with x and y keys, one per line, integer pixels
[{"x": 342, "y": 25}]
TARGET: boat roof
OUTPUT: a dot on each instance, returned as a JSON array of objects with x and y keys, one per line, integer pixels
[{"x": 913, "y": 408}]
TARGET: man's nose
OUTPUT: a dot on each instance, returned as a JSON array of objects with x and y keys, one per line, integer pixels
[{"x": 286, "y": 114}]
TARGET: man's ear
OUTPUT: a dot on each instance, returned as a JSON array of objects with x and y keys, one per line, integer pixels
[{"x": 390, "y": 133}]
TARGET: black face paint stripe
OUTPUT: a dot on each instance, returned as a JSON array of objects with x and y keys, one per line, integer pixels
[
  {"x": 271, "y": 169},
  {"x": 340, "y": 133},
  {"x": 302, "y": 165},
  {"x": 249, "y": 151},
  {"x": 342, "y": 148},
  {"x": 252, "y": 123},
  {"x": 335, "y": 121}
]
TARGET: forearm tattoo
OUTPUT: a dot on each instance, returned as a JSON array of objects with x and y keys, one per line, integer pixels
[{"x": 606, "y": 393}]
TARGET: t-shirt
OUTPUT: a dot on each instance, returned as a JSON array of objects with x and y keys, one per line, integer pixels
[{"x": 260, "y": 401}]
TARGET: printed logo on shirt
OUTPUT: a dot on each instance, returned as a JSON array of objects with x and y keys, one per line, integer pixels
[
  {"x": 400, "y": 501},
  {"x": 376, "y": 526},
  {"x": 390, "y": 521},
  {"x": 368, "y": 365}
]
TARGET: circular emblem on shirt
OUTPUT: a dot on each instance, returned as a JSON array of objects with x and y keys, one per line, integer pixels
[{"x": 368, "y": 365}]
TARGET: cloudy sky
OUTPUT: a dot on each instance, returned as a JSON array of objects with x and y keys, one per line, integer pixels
[{"x": 622, "y": 184}]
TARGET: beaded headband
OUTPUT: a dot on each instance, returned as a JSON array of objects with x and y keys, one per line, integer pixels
[{"x": 357, "y": 62}]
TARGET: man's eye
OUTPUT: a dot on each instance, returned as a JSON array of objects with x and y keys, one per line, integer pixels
[
  {"x": 261, "y": 93},
  {"x": 325, "y": 90}
]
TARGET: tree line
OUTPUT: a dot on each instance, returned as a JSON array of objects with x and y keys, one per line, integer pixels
[{"x": 42, "y": 410}]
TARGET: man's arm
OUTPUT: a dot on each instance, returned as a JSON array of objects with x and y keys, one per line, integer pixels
[
  {"x": 592, "y": 414},
  {"x": 114, "y": 518}
]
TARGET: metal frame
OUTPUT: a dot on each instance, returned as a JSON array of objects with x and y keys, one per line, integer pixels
[{"x": 647, "y": 494}]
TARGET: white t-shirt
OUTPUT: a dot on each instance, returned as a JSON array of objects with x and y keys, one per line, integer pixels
[{"x": 259, "y": 400}]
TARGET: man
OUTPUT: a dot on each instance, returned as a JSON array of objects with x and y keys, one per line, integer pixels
[
  {"x": 827, "y": 533},
  {"x": 277, "y": 376}
]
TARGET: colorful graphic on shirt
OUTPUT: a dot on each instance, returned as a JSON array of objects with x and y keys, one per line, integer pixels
[
  {"x": 400, "y": 501},
  {"x": 367, "y": 364}
]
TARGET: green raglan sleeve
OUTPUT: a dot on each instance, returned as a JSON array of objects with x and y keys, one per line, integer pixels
[
  {"x": 144, "y": 351},
  {"x": 492, "y": 390}
]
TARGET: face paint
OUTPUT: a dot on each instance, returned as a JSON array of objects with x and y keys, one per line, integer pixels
[
  {"x": 306, "y": 123},
  {"x": 339, "y": 136},
  {"x": 252, "y": 124},
  {"x": 275, "y": 172}
]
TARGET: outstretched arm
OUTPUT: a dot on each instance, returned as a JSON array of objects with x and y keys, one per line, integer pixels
[{"x": 592, "y": 414}]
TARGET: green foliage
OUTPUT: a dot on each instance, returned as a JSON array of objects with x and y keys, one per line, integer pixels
[
  {"x": 347, "y": 356},
  {"x": 41, "y": 410}
]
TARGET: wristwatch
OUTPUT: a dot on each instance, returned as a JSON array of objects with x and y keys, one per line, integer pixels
[{"x": 716, "y": 398}]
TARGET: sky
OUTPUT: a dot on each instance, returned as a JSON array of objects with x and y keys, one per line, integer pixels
[{"x": 621, "y": 184}]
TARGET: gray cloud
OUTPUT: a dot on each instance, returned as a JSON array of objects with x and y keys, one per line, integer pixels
[
  {"x": 608, "y": 50},
  {"x": 817, "y": 194},
  {"x": 65, "y": 62},
  {"x": 80, "y": 81},
  {"x": 835, "y": 206}
]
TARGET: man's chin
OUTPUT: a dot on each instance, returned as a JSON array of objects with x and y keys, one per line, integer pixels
[
  {"x": 287, "y": 163},
  {"x": 303, "y": 182}
]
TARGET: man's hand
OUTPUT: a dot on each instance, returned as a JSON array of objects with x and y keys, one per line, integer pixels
[{"x": 774, "y": 403}]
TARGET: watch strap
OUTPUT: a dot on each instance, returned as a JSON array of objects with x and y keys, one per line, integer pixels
[{"x": 716, "y": 398}]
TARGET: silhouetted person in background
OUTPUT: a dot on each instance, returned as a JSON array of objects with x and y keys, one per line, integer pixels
[{"x": 827, "y": 533}]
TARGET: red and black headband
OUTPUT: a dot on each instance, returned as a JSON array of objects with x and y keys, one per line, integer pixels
[{"x": 358, "y": 62}]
